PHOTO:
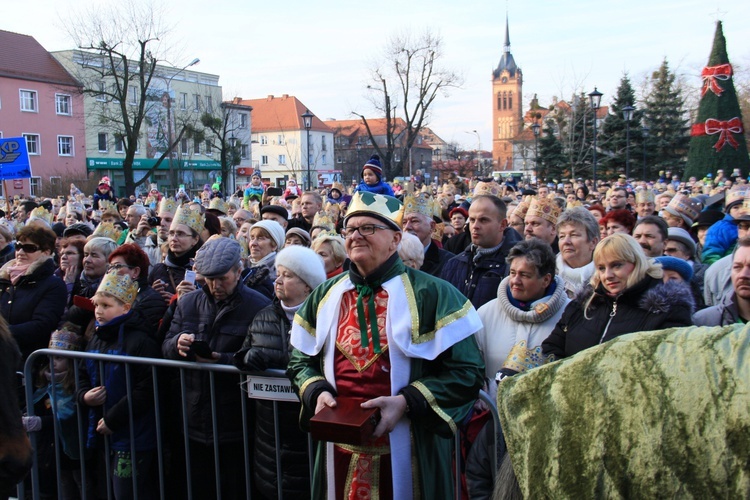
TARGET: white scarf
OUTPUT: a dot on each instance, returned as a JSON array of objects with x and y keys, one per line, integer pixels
[{"x": 575, "y": 278}]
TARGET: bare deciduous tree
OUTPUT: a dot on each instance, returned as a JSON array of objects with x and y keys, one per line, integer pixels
[{"x": 405, "y": 83}]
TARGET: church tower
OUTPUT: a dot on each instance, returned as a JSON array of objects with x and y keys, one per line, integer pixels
[{"x": 507, "y": 120}]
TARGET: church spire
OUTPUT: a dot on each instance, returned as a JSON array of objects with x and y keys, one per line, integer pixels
[
  {"x": 506, "y": 47},
  {"x": 506, "y": 60}
]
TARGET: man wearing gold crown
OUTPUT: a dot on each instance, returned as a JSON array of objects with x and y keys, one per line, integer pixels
[
  {"x": 418, "y": 220},
  {"x": 398, "y": 338}
]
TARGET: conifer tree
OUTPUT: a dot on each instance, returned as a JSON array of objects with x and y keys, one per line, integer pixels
[
  {"x": 717, "y": 136},
  {"x": 613, "y": 139},
  {"x": 665, "y": 117},
  {"x": 552, "y": 161}
]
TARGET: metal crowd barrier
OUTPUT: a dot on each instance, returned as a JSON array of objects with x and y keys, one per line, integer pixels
[{"x": 270, "y": 385}]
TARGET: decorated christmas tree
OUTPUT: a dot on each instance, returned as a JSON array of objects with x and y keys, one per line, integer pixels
[{"x": 717, "y": 137}]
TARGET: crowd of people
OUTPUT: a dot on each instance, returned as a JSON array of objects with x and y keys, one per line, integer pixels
[{"x": 408, "y": 297}]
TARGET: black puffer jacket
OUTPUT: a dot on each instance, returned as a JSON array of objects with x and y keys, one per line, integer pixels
[
  {"x": 151, "y": 305},
  {"x": 224, "y": 325},
  {"x": 267, "y": 346},
  {"x": 34, "y": 306},
  {"x": 646, "y": 306}
]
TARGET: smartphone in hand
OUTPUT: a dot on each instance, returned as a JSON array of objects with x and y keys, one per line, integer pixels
[{"x": 190, "y": 276}]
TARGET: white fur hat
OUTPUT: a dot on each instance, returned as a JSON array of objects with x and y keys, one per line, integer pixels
[{"x": 303, "y": 262}]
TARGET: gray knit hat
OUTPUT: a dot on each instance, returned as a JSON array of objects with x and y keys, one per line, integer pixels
[
  {"x": 303, "y": 262},
  {"x": 217, "y": 256},
  {"x": 274, "y": 229}
]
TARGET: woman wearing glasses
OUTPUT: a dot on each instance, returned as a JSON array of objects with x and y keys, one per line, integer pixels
[
  {"x": 131, "y": 260},
  {"x": 32, "y": 298}
]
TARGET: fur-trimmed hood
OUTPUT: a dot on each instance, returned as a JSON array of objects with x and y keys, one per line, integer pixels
[{"x": 650, "y": 294}]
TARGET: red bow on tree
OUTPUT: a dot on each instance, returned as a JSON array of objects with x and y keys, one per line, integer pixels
[
  {"x": 712, "y": 73},
  {"x": 724, "y": 129}
]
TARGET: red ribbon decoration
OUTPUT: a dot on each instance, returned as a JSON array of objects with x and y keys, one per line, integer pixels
[
  {"x": 724, "y": 129},
  {"x": 712, "y": 73}
]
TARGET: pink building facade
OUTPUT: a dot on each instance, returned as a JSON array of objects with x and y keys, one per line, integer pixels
[{"x": 41, "y": 101}]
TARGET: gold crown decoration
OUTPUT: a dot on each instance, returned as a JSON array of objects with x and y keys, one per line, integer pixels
[
  {"x": 522, "y": 359},
  {"x": 522, "y": 208},
  {"x": 339, "y": 186},
  {"x": 685, "y": 207},
  {"x": 322, "y": 219},
  {"x": 734, "y": 195},
  {"x": 645, "y": 196},
  {"x": 123, "y": 288},
  {"x": 491, "y": 188},
  {"x": 107, "y": 230},
  {"x": 41, "y": 213},
  {"x": 193, "y": 219},
  {"x": 67, "y": 338},
  {"x": 105, "y": 205},
  {"x": 545, "y": 208},
  {"x": 746, "y": 203},
  {"x": 573, "y": 204},
  {"x": 168, "y": 205},
  {"x": 420, "y": 204},
  {"x": 381, "y": 206},
  {"x": 75, "y": 206},
  {"x": 218, "y": 204}
]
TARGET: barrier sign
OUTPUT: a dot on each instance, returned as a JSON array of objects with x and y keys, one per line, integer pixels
[
  {"x": 14, "y": 159},
  {"x": 277, "y": 389}
]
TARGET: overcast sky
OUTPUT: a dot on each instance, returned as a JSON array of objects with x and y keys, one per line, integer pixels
[{"x": 320, "y": 52}]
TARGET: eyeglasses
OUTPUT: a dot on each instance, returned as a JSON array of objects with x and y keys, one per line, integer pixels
[
  {"x": 117, "y": 267},
  {"x": 27, "y": 247},
  {"x": 364, "y": 230},
  {"x": 179, "y": 234}
]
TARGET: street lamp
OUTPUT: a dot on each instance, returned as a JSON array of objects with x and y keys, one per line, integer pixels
[
  {"x": 479, "y": 148},
  {"x": 535, "y": 128},
  {"x": 172, "y": 176},
  {"x": 644, "y": 132},
  {"x": 595, "y": 98},
  {"x": 627, "y": 113},
  {"x": 307, "y": 120}
]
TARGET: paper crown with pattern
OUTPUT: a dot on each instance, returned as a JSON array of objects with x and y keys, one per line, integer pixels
[
  {"x": 193, "y": 219},
  {"x": 105, "y": 205},
  {"x": 41, "y": 213},
  {"x": 421, "y": 204},
  {"x": 66, "y": 339},
  {"x": 685, "y": 207},
  {"x": 168, "y": 205},
  {"x": 491, "y": 188},
  {"x": 545, "y": 208},
  {"x": 74, "y": 206},
  {"x": 522, "y": 208},
  {"x": 734, "y": 196},
  {"x": 523, "y": 359},
  {"x": 123, "y": 288},
  {"x": 645, "y": 196},
  {"x": 218, "y": 204},
  {"x": 107, "y": 230},
  {"x": 323, "y": 220},
  {"x": 381, "y": 206}
]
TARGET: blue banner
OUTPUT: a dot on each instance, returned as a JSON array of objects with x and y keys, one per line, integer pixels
[{"x": 14, "y": 159}]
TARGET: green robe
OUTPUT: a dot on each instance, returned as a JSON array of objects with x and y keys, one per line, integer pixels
[
  {"x": 661, "y": 414},
  {"x": 432, "y": 327}
]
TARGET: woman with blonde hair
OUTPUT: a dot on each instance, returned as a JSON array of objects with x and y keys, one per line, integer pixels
[
  {"x": 330, "y": 248},
  {"x": 625, "y": 295}
]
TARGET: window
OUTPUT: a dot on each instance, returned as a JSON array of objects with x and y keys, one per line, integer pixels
[
  {"x": 32, "y": 144},
  {"x": 184, "y": 146},
  {"x": 197, "y": 103},
  {"x": 103, "y": 142},
  {"x": 64, "y": 145},
  {"x": 196, "y": 147},
  {"x": 323, "y": 146},
  {"x": 209, "y": 148},
  {"x": 281, "y": 138},
  {"x": 282, "y": 159},
  {"x": 263, "y": 140},
  {"x": 243, "y": 120},
  {"x": 35, "y": 185},
  {"x": 264, "y": 160},
  {"x": 132, "y": 95},
  {"x": 119, "y": 144},
  {"x": 28, "y": 100},
  {"x": 209, "y": 104},
  {"x": 324, "y": 159},
  {"x": 339, "y": 159},
  {"x": 56, "y": 182},
  {"x": 244, "y": 151},
  {"x": 510, "y": 100},
  {"x": 63, "y": 104},
  {"x": 183, "y": 101},
  {"x": 102, "y": 89}
]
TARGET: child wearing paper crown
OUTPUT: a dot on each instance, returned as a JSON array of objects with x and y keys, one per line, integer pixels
[
  {"x": 372, "y": 178},
  {"x": 120, "y": 331},
  {"x": 55, "y": 407}
]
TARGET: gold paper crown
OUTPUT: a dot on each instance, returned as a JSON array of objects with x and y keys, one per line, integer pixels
[
  {"x": 645, "y": 196},
  {"x": 381, "y": 206},
  {"x": 64, "y": 339},
  {"x": 168, "y": 205},
  {"x": 122, "y": 287},
  {"x": 322, "y": 219},
  {"x": 193, "y": 219},
  {"x": 491, "y": 188},
  {"x": 545, "y": 208},
  {"x": 218, "y": 204},
  {"x": 683, "y": 206},
  {"x": 736, "y": 194},
  {"x": 41, "y": 213},
  {"x": 74, "y": 206},
  {"x": 107, "y": 230},
  {"x": 339, "y": 186},
  {"x": 105, "y": 205},
  {"x": 522, "y": 359},
  {"x": 522, "y": 208},
  {"x": 573, "y": 204},
  {"x": 746, "y": 203},
  {"x": 420, "y": 204}
]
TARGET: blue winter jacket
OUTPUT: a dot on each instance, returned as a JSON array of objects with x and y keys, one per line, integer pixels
[{"x": 720, "y": 240}]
